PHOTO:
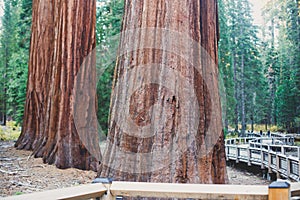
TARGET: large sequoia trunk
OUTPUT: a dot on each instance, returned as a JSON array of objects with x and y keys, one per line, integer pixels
[
  {"x": 165, "y": 118},
  {"x": 63, "y": 35}
]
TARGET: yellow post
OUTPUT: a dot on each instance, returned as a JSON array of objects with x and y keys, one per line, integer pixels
[{"x": 279, "y": 190}]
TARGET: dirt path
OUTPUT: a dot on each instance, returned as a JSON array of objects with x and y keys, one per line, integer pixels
[{"x": 20, "y": 174}]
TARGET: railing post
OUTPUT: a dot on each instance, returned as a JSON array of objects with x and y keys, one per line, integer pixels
[
  {"x": 278, "y": 165},
  {"x": 262, "y": 166},
  {"x": 279, "y": 190},
  {"x": 227, "y": 152},
  {"x": 269, "y": 160},
  {"x": 249, "y": 156},
  {"x": 107, "y": 183},
  {"x": 298, "y": 162},
  {"x": 288, "y": 167},
  {"x": 237, "y": 154},
  {"x": 282, "y": 150}
]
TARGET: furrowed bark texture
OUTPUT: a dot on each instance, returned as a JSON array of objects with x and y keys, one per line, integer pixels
[
  {"x": 166, "y": 64},
  {"x": 63, "y": 34}
]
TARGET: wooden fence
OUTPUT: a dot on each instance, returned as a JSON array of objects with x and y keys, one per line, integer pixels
[
  {"x": 275, "y": 154},
  {"x": 117, "y": 190}
]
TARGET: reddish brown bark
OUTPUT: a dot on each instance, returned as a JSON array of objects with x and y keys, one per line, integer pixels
[
  {"x": 63, "y": 34},
  {"x": 165, "y": 86}
]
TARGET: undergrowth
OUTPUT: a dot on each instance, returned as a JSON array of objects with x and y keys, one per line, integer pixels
[{"x": 10, "y": 132}]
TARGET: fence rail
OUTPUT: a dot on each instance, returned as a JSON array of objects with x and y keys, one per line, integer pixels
[
  {"x": 275, "y": 154},
  {"x": 166, "y": 190}
]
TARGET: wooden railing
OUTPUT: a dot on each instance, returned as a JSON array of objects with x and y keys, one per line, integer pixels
[
  {"x": 277, "y": 158},
  {"x": 117, "y": 190}
]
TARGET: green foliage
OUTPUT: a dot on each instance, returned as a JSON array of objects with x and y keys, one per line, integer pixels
[
  {"x": 10, "y": 132},
  {"x": 15, "y": 40},
  {"x": 240, "y": 64},
  {"x": 225, "y": 67},
  {"x": 17, "y": 85},
  {"x": 282, "y": 60},
  {"x": 109, "y": 19},
  {"x": 261, "y": 75},
  {"x": 19, "y": 193}
]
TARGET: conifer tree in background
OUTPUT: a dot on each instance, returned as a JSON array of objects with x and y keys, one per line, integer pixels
[
  {"x": 109, "y": 18},
  {"x": 15, "y": 38},
  {"x": 240, "y": 64},
  {"x": 283, "y": 62},
  {"x": 270, "y": 61},
  {"x": 19, "y": 63},
  {"x": 8, "y": 46},
  {"x": 225, "y": 66}
]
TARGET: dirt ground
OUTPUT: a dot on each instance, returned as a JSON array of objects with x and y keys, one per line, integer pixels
[{"x": 20, "y": 174}]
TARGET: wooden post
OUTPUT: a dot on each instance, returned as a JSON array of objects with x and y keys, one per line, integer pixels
[
  {"x": 237, "y": 154},
  {"x": 107, "y": 183},
  {"x": 277, "y": 166},
  {"x": 269, "y": 160},
  {"x": 227, "y": 152},
  {"x": 298, "y": 162},
  {"x": 288, "y": 167},
  {"x": 279, "y": 191},
  {"x": 282, "y": 150},
  {"x": 262, "y": 157},
  {"x": 249, "y": 156}
]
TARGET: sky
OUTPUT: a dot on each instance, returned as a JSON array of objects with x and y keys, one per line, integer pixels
[
  {"x": 1, "y": 12},
  {"x": 257, "y": 8},
  {"x": 1, "y": 8}
]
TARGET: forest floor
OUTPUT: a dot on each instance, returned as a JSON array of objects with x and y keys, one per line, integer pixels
[{"x": 20, "y": 174}]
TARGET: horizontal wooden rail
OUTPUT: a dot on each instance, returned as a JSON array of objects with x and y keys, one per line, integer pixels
[
  {"x": 71, "y": 193},
  {"x": 166, "y": 190}
]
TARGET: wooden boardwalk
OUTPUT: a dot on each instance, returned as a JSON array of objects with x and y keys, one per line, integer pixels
[{"x": 275, "y": 153}]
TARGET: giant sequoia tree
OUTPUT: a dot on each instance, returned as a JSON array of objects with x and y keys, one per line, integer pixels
[
  {"x": 63, "y": 34},
  {"x": 165, "y": 118}
]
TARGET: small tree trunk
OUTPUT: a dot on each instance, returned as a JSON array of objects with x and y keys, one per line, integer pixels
[
  {"x": 272, "y": 80},
  {"x": 243, "y": 98},
  {"x": 252, "y": 120},
  {"x": 165, "y": 123},
  {"x": 226, "y": 124},
  {"x": 4, "y": 106},
  {"x": 5, "y": 85},
  {"x": 236, "y": 107}
]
